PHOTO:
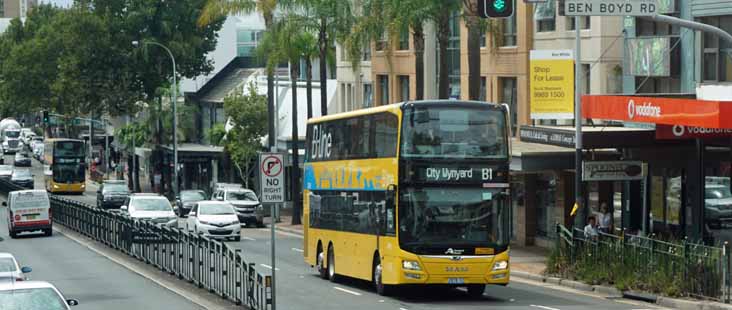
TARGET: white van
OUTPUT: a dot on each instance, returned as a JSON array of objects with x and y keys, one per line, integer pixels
[{"x": 28, "y": 210}]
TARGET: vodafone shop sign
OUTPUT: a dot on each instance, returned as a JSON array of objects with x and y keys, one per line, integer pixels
[
  {"x": 689, "y": 113},
  {"x": 681, "y": 132}
]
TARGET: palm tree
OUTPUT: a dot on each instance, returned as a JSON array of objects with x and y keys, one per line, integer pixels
[
  {"x": 215, "y": 9},
  {"x": 332, "y": 20},
  {"x": 310, "y": 50},
  {"x": 474, "y": 24}
]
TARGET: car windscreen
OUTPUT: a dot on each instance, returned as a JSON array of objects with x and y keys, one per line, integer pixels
[
  {"x": 115, "y": 188},
  {"x": 12, "y": 134},
  {"x": 150, "y": 204},
  {"x": 7, "y": 264},
  {"x": 32, "y": 299},
  {"x": 6, "y": 169},
  {"x": 22, "y": 174},
  {"x": 246, "y": 196},
  {"x": 215, "y": 209},
  {"x": 192, "y": 196}
]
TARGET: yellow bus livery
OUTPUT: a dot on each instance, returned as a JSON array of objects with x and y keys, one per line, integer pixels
[
  {"x": 65, "y": 168},
  {"x": 412, "y": 193}
]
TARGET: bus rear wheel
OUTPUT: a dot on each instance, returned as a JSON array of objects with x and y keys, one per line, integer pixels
[
  {"x": 322, "y": 268},
  {"x": 381, "y": 288},
  {"x": 331, "y": 265}
]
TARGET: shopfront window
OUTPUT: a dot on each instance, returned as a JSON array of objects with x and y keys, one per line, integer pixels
[
  {"x": 546, "y": 189},
  {"x": 718, "y": 198}
]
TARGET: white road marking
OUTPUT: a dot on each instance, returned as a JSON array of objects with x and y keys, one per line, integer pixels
[
  {"x": 269, "y": 267},
  {"x": 298, "y": 250},
  {"x": 347, "y": 291},
  {"x": 544, "y": 307},
  {"x": 248, "y": 238},
  {"x": 402, "y": 309}
]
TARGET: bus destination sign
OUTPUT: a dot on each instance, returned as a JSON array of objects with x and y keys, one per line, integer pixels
[{"x": 452, "y": 174}]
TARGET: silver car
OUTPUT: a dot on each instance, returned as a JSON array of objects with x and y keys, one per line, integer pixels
[
  {"x": 214, "y": 219},
  {"x": 33, "y": 295},
  {"x": 245, "y": 202},
  {"x": 10, "y": 271},
  {"x": 151, "y": 207}
]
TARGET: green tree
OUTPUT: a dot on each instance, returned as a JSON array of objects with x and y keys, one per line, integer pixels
[
  {"x": 248, "y": 114},
  {"x": 216, "y": 9}
]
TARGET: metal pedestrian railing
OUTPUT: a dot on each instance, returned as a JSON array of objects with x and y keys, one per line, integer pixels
[
  {"x": 206, "y": 263},
  {"x": 688, "y": 268}
]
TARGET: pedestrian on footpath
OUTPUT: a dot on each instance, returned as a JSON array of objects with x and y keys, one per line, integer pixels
[
  {"x": 591, "y": 229},
  {"x": 606, "y": 219}
]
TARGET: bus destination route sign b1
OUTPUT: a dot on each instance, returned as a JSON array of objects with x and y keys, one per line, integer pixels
[{"x": 271, "y": 175}]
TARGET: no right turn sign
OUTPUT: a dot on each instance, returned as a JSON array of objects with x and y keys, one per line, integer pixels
[{"x": 271, "y": 174}]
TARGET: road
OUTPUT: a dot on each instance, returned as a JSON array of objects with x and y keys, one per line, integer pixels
[
  {"x": 299, "y": 287},
  {"x": 97, "y": 282}
]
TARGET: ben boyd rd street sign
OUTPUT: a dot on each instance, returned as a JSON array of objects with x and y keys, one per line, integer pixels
[
  {"x": 271, "y": 174},
  {"x": 613, "y": 170},
  {"x": 610, "y": 7}
]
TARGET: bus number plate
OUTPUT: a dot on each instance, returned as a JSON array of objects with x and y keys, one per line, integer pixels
[{"x": 455, "y": 281}]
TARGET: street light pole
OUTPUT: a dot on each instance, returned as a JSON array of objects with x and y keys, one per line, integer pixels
[{"x": 176, "y": 186}]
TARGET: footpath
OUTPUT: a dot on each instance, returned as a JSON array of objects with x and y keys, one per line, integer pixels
[{"x": 529, "y": 263}]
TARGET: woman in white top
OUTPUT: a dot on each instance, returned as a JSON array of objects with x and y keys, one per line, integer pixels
[{"x": 606, "y": 219}]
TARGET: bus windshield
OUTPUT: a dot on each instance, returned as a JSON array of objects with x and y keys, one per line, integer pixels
[
  {"x": 447, "y": 132},
  {"x": 449, "y": 217},
  {"x": 12, "y": 133},
  {"x": 69, "y": 149},
  {"x": 69, "y": 173}
]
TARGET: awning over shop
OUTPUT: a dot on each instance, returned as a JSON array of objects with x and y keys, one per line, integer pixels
[{"x": 668, "y": 111}]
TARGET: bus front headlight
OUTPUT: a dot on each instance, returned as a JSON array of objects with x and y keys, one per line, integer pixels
[
  {"x": 500, "y": 265},
  {"x": 411, "y": 265}
]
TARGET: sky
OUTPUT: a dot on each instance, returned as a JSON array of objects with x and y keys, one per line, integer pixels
[{"x": 63, "y": 3}]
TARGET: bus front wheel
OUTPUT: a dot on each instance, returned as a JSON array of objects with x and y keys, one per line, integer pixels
[
  {"x": 476, "y": 290},
  {"x": 381, "y": 288}
]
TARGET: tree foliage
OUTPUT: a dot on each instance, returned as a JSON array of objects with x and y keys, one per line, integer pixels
[{"x": 248, "y": 114}]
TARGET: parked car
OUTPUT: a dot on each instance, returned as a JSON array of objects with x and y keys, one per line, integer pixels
[
  {"x": 10, "y": 270},
  {"x": 187, "y": 199},
  {"x": 214, "y": 219},
  {"x": 6, "y": 172},
  {"x": 22, "y": 177},
  {"x": 152, "y": 207},
  {"x": 33, "y": 295},
  {"x": 717, "y": 204},
  {"x": 22, "y": 160},
  {"x": 112, "y": 194},
  {"x": 29, "y": 210},
  {"x": 245, "y": 202}
]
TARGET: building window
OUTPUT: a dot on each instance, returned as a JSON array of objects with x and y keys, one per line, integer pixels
[
  {"x": 246, "y": 41},
  {"x": 453, "y": 56},
  {"x": 717, "y": 66},
  {"x": 381, "y": 42},
  {"x": 545, "y": 16},
  {"x": 366, "y": 54},
  {"x": 509, "y": 31},
  {"x": 586, "y": 78},
  {"x": 483, "y": 88},
  {"x": 368, "y": 95},
  {"x": 508, "y": 95},
  {"x": 383, "y": 89},
  {"x": 404, "y": 87},
  {"x": 404, "y": 39},
  {"x": 584, "y": 23}
]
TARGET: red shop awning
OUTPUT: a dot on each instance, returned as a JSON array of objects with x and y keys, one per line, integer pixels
[{"x": 668, "y": 111}]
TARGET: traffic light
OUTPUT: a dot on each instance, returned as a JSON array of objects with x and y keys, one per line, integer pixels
[
  {"x": 46, "y": 118},
  {"x": 495, "y": 8}
]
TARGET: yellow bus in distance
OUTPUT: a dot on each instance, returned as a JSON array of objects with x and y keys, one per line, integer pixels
[
  {"x": 412, "y": 193},
  {"x": 64, "y": 165}
]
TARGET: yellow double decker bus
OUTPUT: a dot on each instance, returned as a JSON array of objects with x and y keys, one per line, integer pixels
[
  {"x": 412, "y": 193},
  {"x": 65, "y": 168}
]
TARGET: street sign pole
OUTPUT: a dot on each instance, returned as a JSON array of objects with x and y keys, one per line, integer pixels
[
  {"x": 271, "y": 177},
  {"x": 578, "y": 123}
]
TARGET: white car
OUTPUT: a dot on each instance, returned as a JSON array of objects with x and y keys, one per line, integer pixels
[
  {"x": 214, "y": 219},
  {"x": 152, "y": 207},
  {"x": 33, "y": 295},
  {"x": 10, "y": 271}
]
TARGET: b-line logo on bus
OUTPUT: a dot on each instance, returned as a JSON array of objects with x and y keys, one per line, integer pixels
[{"x": 322, "y": 143}]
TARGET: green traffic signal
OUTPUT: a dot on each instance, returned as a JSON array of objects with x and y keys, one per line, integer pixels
[{"x": 499, "y": 5}]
